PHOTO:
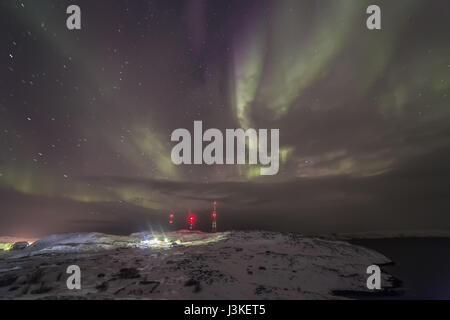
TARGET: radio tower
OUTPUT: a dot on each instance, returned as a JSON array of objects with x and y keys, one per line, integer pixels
[
  {"x": 191, "y": 220},
  {"x": 214, "y": 220}
]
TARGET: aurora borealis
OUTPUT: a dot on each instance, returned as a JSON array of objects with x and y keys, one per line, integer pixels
[{"x": 86, "y": 116}]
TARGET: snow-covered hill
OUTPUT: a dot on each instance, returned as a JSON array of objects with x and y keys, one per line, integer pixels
[{"x": 188, "y": 265}]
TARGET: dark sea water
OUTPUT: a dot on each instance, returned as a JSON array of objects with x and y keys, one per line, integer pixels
[{"x": 422, "y": 264}]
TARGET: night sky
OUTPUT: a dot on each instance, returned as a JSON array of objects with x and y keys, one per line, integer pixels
[{"x": 86, "y": 115}]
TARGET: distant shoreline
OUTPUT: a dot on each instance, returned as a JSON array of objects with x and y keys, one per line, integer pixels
[
  {"x": 391, "y": 234},
  {"x": 422, "y": 264}
]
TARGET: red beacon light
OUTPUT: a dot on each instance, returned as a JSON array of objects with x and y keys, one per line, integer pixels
[
  {"x": 191, "y": 221},
  {"x": 171, "y": 218},
  {"x": 214, "y": 218}
]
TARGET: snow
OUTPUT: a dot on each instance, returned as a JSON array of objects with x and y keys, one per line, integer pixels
[{"x": 228, "y": 265}]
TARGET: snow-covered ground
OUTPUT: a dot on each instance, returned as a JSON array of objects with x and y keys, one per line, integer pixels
[{"x": 188, "y": 265}]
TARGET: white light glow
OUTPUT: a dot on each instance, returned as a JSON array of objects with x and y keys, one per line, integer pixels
[{"x": 151, "y": 242}]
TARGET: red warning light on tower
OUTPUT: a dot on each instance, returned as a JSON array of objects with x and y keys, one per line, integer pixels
[
  {"x": 171, "y": 216},
  {"x": 214, "y": 218},
  {"x": 191, "y": 219}
]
